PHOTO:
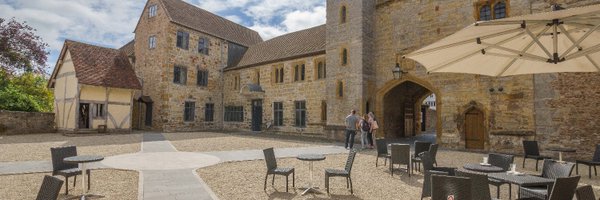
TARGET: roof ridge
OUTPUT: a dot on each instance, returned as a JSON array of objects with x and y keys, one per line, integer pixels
[
  {"x": 94, "y": 45},
  {"x": 197, "y": 7}
]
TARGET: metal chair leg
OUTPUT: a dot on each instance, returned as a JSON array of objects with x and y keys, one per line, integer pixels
[
  {"x": 74, "y": 180},
  {"x": 273, "y": 181},
  {"x": 347, "y": 183},
  {"x": 577, "y": 168},
  {"x": 536, "y": 164},
  {"x": 266, "y": 177},
  {"x": 327, "y": 183},
  {"x": 498, "y": 191},
  {"x": 294, "y": 178},
  {"x": 67, "y": 185},
  {"x": 89, "y": 182},
  {"x": 351, "y": 191},
  {"x": 524, "y": 161},
  {"x": 376, "y": 160},
  {"x": 286, "y": 183}
]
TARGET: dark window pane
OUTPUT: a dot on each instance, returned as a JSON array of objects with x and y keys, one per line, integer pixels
[
  {"x": 176, "y": 75},
  {"x": 344, "y": 56},
  {"x": 485, "y": 13},
  {"x": 281, "y": 75},
  {"x": 202, "y": 79},
  {"x": 296, "y": 75},
  {"x": 500, "y": 10},
  {"x": 300, "y": 113},
  {"x": 302, "y": 74},
  {"x": 209, "y": 112},
  {"x": 278, "y": 114},
  {"x": 343, "y": 14},
  {"x": 189, "y": 111},
  {"x": 234, "y": 113}
]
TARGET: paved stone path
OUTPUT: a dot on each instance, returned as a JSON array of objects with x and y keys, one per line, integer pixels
[{"x": 166, "y": 173}]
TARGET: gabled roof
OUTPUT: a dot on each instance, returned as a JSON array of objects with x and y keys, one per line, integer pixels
[
  {"x": 201, "y": 20},
  {"x": 99, "y": 66},
  {"x": 298, "y": 44},
  {"x": 128, "y": 48}
]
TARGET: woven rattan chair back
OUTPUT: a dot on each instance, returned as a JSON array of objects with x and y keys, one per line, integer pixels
[
  {"x": 564, "y": 188},
  {"x": 350, "y": 161},
  {"x": 426, "y": 189},
  {"x": 553, "y": 169},
  {"x": 442, "y": 187},
  {"x": 427, "y": 160},
  {"x": 400, "y": 154},
  {"x": 597, "y": 154},
  {"x": 531, "y": 147},
  {"x": 58, "y": 156},
  {"x": 381, "y": 146},
  {"x": 50, "y": 188},
  {"x": 270, "y": 158},
  {"x": 479, "y": 184},
  {"x": 421, "y": 146},
  {"x": 433, "y": 148},
  {"x": 501, "y": 160},
  {"x": 585, "y": 192}
]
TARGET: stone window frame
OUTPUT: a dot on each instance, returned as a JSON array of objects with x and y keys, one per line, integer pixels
[
  {"x": 234, "y": 114},
  {"x": 300, "y": 114},
  {"x": 203, "y": 45},
  {"x": 189, "y": 111},
  {"x": 180, "y": 75},
  {"x": 278, "y": 113},
  {"x": 235, "y": 85},
  {"x": 491, "y": 4},
  {"x": 257, "y": 76},
  {"x": 343, "y": 14},
  {"x": 202, "y": 77},
  {"x": 152, "y": 42},
  {"x": 152, "y": 10},
  {"x": 344, "y": 57},
  {"x": 182, "y": 39},
  {"x": 339, "y": 89},
  {"x": 278, "y": 73},
  {"x": 320, "y": 73},
  {"x": 299, "y": 71},
  {"x": 209, "y": 112}
]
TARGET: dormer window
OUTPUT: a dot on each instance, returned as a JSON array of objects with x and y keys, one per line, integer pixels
[{"x": 152, "y": 11}]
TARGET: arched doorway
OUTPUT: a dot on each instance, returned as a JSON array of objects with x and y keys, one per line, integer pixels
[
  {"x": 402, "y": 109},
  {"x": 474, "y": 129}
]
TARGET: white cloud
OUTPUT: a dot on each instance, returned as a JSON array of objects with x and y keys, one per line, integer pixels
[
  {"x": 268, "y": 31},
  {"x": 299, "y": 20},
  {"x": 234, "y": 18}
]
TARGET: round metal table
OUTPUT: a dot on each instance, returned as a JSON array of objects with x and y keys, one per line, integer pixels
[
  {"x": 82, "y": 160},
  {"x": 483, "y": 168},
  {"x": 311, "y": 158},
  {"x": 560, "y": 151}
]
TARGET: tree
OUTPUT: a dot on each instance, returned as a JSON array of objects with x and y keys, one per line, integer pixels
[
  {"x": 25, "y": 92},
  {"x": 20, "y": 49}
]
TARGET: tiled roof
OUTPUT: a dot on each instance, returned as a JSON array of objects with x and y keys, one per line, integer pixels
[
  {"x": 101, "y": 66},
  {"x": 293, "y": 45},
  {"x": 128, "y": 48},
  {"x": 201, "y": 20}
]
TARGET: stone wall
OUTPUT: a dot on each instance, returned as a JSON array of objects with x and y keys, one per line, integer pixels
[
  {"x": 310, "y": 90},
  {"x": 18, "y": 123},
  {"x": 155, "y": 68}
]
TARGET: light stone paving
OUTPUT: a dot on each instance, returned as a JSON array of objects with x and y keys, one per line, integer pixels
[{"x": 166, "y": 173}]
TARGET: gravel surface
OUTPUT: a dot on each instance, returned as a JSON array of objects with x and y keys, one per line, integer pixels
[
  {"x": 244, "y": 180},
  {"x": 37, "y": 146},
  {"x": 110, "y": 183},
  {"x": 212, "y": 141}
]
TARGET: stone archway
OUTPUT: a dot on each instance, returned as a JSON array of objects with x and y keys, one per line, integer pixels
[{"x": 397, "y": 100}]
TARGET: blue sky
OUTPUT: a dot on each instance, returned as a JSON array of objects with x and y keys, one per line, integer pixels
[{"x": 110, "y": 23}]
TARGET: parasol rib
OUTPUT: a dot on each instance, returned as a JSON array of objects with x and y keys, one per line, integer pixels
[
  {"x": 584, "y": 52},
  {"x": 519, "y": 53},
  {"x": 537, "y": 41},
  {"x": 464, "y": 42},
  {"x": 470, "y": 54},
  {"x": 575, "y": 44},
  {"x": 522, "y": 52}
]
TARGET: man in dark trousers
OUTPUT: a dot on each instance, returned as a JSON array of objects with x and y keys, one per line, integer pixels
[{"x": 351, "y": 127}]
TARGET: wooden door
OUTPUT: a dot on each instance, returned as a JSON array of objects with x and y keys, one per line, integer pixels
[
  {"x": 84, "y": 115},
  {"x": 474, "y": 129},
  {"x": 257, "y": 115}
]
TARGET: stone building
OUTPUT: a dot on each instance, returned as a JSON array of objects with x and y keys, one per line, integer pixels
[{"x": 200, "y": 71}]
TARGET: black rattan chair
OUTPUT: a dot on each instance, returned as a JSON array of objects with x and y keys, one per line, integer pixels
[
  {"x": 532, "y": 151},
  {"x": 479, "y": 187},
  {"x": 420, "y": 147},
  {"x": 401, "y": 156},
  {"x": 382, "y": 151},
  {"x": 346, "y": 172},
  {"x": 50, "y": 188},
  {"x": 503, "y": 161},
  {"x": 59, "y": 167},
  {"x": 585, "y": 192},
  {"x": 551, "y": 170},
  {"x": 590, "y": 163},
  {"x": 429, "y": 169},
  {"x": 433, "y": 148},
  {"x": 274, "y": 170},
  {"x": 563, "y": 189},
  {"x": 442, "y": 187}
]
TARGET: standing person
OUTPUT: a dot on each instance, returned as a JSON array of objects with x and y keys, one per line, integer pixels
[
  {"x": 365, "y": 128},
  {"x": 374, "y": 127},
  {"x": 351, "y": 126}
]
